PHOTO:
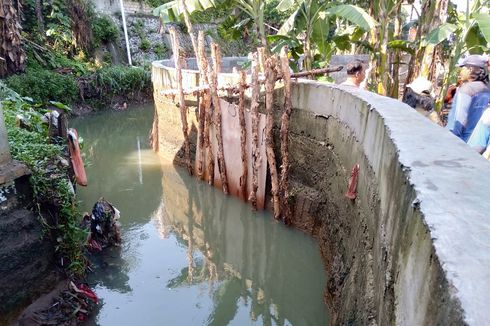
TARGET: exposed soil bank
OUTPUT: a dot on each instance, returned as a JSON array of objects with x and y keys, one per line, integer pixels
[{"x": 402, "y": 252}]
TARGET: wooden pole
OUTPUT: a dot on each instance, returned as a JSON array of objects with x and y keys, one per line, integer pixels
[
  {"x": 153, "y": 138},
  {"x": 216, "y": 54},
  {"x": 182, "y": 106},
  {"x": 204, "y": 106},
  {"x": 285, "y": 119},
  {"x": 261, "y": 80},
  {"x": 190, "y": 30},
  {"x": 254, "y": 108},
  {"x": 270, "y": 82},
  {"x": 243, "y": 133}
]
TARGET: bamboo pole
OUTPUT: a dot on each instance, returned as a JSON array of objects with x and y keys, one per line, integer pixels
[
  {"x": 216, "y": 54},
  {"x": 254, "y": 108},
  {"x": 243, "y": 133},
  {"x": 285, "y": 119},
  {"x": 182, "y": 106},
  {"x": 261, "y": 80},
  {"x": 270, "y": 82}
]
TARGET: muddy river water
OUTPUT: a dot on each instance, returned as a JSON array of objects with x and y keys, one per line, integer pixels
[{"x": 190, "y": 255}]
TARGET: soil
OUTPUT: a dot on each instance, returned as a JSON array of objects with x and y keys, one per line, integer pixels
[{"x": 62, "y": 306}]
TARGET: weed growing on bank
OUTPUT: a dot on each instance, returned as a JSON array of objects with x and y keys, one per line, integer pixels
[{"x": 53, "y": 192}]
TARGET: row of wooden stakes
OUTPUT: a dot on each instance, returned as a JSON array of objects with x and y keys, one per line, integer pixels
[{"x": 273, "y": 68}]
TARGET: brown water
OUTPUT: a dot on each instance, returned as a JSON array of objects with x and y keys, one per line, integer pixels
[{"x": 190, "y": 255}]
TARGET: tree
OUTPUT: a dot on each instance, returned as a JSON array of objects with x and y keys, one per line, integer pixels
[
  {"x": 12, "y": 55},
  {"x": 174, "y": 11},
  {"x": 468, "y": 32},
  {"x": 311, "y": 22}
]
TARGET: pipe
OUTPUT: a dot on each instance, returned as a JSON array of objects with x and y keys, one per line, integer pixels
[{"x": 125, "y": 31}]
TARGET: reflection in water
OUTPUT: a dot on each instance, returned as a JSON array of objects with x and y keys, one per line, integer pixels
[{"x": 190, "y": 255}]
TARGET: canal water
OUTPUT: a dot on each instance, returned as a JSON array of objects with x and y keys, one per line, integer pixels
[{"x": 189, "y": 254}]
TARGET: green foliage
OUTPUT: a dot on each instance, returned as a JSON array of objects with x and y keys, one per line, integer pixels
[
  {"x": 120, "y": 80},
  {"x": 276, "y": 17},
  {"x": 214, "y": 14},
  {"x": 160, "y": 49},
  {"x": 145, "y": 45},
  {"x": 49, "y": 180},
  {"x": 156, "y": 3},
  {"x": 58, "y": 28},
  {"x": 227, "y": 30},
  {"x": 104, "y": 30},
  {"x": 171, "y": 11},
  {"x": 44, "y": 85}
]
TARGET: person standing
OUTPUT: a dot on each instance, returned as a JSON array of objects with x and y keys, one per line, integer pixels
[
  {"x": 480, "y": 138},
  {"x": 355, "y": 73},
  {"x": 471, "y": 98}
]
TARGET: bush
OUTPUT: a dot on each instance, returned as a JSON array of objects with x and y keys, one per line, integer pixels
[
  {"x": 44, "y": 86},
  {"x": 49, "y": 180},
  {"x": 145, "y": 45},
  {"x": 122, "y": 81},
  {"x": 160, "y": 49},
  {"x": 104, "y": 30}
]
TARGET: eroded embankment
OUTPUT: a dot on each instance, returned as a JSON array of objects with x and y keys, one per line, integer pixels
[{"x": 403, "y": 252}]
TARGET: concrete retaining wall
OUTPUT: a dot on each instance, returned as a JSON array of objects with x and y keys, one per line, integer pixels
[{"x": 412, "y": 249}]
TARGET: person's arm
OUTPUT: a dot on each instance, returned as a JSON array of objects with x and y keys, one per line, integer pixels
[
  {"x": 486, "y": 154},
  {"x": 462, "y": 105},
  {"x": 480, "y": 137}
]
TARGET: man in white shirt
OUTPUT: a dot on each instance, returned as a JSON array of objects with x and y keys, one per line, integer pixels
[{"x": 355, "y": 73}]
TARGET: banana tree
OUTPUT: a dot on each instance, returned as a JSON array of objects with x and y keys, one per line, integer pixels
[
  {"x": 311, "y": 23},
  {"x": 255, "y": 9},
  {"x": 173, "y": 11},
  {"x": 469, "y": 33},
  {"x": 422, "y": 62}
]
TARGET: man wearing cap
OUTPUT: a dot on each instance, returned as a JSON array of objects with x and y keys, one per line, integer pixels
[{"x": 471, "y": 98}]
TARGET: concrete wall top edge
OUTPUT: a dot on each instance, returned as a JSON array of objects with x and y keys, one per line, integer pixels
[
  {"x": 450, "y": 179},
  {"x": 452, "y": 185}
]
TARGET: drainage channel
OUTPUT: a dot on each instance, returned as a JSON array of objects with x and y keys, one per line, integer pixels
[{"x": 190, "y": 255}]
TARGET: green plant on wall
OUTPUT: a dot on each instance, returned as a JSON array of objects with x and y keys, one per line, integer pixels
[
  {"x": 145, "y": 44},
  {"x": 160, "y": 49}
]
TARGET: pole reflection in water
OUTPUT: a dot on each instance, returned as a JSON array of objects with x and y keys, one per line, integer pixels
[{"x": 190, "y": 255}]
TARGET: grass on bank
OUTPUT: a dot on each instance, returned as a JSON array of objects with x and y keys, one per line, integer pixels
[{"x": 53, "y": 192}]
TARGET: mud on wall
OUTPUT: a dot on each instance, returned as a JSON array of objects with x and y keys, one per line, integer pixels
[{"x": 404, "y": 251}]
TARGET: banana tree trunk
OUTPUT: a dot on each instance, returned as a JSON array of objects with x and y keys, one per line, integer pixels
[
  {"x": 384, "y": 81},
  {"x": 433, "y": 14},
  {"x": 396, "y": 57},
  {"x": 12, "y": 55}
]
